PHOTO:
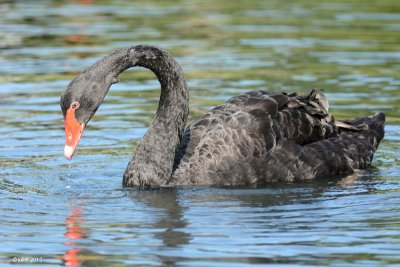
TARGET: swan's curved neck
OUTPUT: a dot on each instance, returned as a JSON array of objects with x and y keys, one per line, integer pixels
[{"x": 152, "y": 164}]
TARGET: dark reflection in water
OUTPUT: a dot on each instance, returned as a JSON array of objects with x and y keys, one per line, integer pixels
[
  {"x": 172, "y": 221},
  {"x": 173, "y": 234}
]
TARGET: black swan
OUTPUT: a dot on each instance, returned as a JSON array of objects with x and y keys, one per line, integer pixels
[{"x": 250, "y": 139}]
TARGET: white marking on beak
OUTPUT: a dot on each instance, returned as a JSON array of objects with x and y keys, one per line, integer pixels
[{"x": 68, "y": 151}]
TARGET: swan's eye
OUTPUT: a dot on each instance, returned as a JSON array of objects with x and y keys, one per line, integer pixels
[{"x": 75, "y": 105}]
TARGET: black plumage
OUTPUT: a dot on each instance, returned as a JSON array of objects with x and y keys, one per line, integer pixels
[{"x": 250, "y": 139}]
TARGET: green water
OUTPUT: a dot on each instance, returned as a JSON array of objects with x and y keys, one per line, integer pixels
[{"x": 55, "y": 212}]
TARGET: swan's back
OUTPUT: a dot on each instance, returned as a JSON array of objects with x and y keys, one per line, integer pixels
[{"x": 258, "y": 137}]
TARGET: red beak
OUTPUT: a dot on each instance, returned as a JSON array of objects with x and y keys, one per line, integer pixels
[{"x": 73, "y": 133}]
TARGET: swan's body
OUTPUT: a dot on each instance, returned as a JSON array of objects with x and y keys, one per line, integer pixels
[{"x": 250, "y": 139}]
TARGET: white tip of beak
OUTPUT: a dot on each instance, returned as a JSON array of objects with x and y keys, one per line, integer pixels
[{"x": 68, "y": 151}]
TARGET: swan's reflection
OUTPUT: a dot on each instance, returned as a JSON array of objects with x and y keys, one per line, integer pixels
[
  {"x": 172, "y": 210},
  {"x": 173, "y": 222},
  {"x": 74, "y": 233},
  {"x": 282, "y": 194}
]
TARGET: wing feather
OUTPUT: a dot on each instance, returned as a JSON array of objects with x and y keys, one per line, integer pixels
[{"x": 258, "y": 136}]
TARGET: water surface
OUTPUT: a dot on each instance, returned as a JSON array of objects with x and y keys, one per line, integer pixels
[{"x": 55, "y": 212}]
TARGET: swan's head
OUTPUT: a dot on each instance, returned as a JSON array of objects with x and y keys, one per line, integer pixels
[
  {"x": 79, "y": 102},
  {"x": 84, "y": 94}
]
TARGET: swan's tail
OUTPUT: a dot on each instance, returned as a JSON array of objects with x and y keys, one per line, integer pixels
[
  {"x": 360, "y": 141},
  {"x": 353, "y": 148},
  {"x": 365, "y": 128}
]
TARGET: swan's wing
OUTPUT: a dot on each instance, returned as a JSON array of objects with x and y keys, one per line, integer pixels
[
  {"x": 300, "y": 118},
  {"x": 248, "y": 126},
  {"x": 268, "y": 116},
  {"x": 267, "y": 136}
]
